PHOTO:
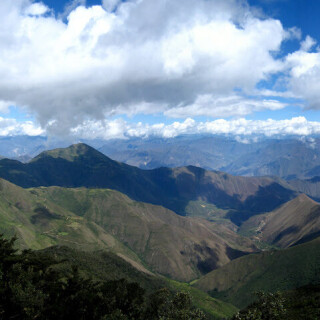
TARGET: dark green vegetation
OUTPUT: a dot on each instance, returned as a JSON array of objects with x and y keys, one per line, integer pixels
[
  {"x": 268, "y": 271},
  {"x": 268, "y": 307},
  {"x": 37, "y": 285},
  {"x": 83, "y": 166},
  {"x": 301, "y": 303}
]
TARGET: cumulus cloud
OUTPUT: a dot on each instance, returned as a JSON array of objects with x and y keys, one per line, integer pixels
[
  {"x": 120, "y": 57},
  {"x": 304, "y": 73},
  {"x": 11, "y": 127},
  {"x": 307, "y": 44},
  {"x": 36, "y": 9},
  {"x": 241, "y": 128}
]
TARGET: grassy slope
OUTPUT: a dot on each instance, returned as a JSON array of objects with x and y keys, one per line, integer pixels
[
  {"x": 88, "y": 219},
  {"x": 175, "y": 246},
  {"x": 212, "y": 306},
  {"x": 268, "y": 271},
  {"x": 38, "y": 223}
]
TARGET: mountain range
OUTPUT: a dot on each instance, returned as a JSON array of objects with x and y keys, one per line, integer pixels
[
  {"x": 285, "y": 157},
  {"x": 225, "y": 235},
  {"x": 82, "y": 166}
]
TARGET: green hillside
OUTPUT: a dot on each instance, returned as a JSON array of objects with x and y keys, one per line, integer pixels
[
  {"x": 267, "y": 271},
  {"x": 178, "y": 247},
  {"x": 100, "y": 265},
  {"x": 150, "y": 237},
  {"x": 106, "y": 266},
  {"x": 64, "y": 283}
]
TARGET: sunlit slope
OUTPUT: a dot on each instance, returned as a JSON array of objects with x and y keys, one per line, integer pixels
[
  {"x": 179, "y": 247},
  {"x": 295, "y": 222},
  {"x": 150, "y": 236}
]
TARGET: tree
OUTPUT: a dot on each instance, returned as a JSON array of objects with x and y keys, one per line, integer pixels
[
  {"x": 270, "y": 306},
  {"x": 166, "y": 306}
]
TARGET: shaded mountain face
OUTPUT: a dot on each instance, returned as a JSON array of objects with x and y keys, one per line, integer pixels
[
  {"x": 81, "y": 165},
  {"x": 310, "y": 187},
  {"x": 295, "y": 222},
  {"x": 270, "y": 271},
  {"x": 148, "y": 236}
]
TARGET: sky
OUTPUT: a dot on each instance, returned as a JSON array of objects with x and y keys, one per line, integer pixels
[{"x": 139, "y": 68}]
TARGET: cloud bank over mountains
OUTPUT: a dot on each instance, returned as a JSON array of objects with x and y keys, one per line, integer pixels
[
  {"x": 181, "y": 59},
  {"x": 112, "y": 129}
]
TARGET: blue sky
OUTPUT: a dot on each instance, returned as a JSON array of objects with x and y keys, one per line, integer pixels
[{"x": 115, "y": 69}]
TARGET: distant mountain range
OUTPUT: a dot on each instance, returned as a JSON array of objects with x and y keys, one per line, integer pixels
[{"x": 286, "y": 157}]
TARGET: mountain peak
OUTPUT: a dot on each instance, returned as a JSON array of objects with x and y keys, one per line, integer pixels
[
  {"x": 71, "y": 153},
  {"x": 303, "y": 198}
]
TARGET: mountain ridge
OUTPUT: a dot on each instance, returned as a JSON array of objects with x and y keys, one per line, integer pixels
[
  {"x": 81, "y": 165},
  {"x": 294, "y": 222}
]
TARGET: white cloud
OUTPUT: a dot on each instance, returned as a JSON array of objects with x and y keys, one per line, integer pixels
[
  {"x": 215, "y": 106},
  {"x": 244, "y": 130},
  {"x": 36, "y": 9},
  {"x": 270, "y": 127},
  {"x": 304, "y": 73},
  {"x": 11, "y": 127},
  {"x": 160, "y": 54},
  {"x": 307, "y": 44}
]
